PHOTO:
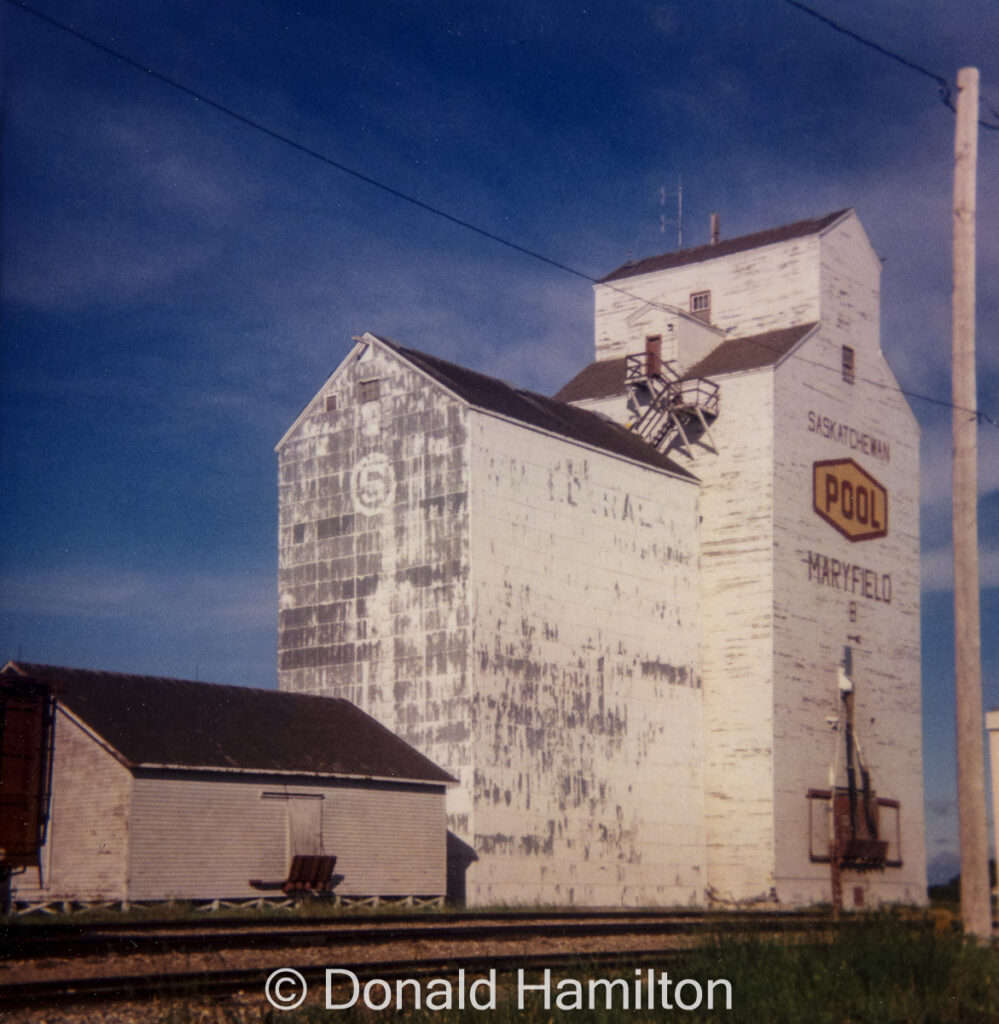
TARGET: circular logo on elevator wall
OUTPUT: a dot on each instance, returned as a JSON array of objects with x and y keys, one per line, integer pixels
[{"x": 373, "y": 484}]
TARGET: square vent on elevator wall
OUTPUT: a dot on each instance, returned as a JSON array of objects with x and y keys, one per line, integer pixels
[{"x": 368, "y": 390}]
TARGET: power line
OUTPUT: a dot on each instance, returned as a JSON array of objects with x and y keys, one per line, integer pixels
[
  {"x": 288, "y": 141},
  {"x": 943, "y": 84},
  {"x": 404, "y": 197}
]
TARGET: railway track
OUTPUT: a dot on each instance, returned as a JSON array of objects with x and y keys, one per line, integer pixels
[
  {"x": 130, "y": 938},
  {"x": 60, "y": 964},
  {"x": 209, "y": 983}
]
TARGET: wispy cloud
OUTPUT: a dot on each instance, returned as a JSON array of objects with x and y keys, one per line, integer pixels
[
  {"x": 936, "y": 456},
  {"x": 181, "y": 600},
  {"x": 938, "y": 569},
  {"x": 941, "y": 807}
]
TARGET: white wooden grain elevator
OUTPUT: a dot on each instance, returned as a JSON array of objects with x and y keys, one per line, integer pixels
[{"x": 662, "y": 626}]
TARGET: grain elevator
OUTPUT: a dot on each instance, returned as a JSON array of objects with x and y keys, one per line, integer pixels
[{"x": 664, "y": 627}]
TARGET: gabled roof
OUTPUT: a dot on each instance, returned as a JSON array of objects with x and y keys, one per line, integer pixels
[
  {"x": 150, "y": 721},
  {"x": 605, "y": 378},
  {"x": 683, "y": 257},
  {"x": 602, "y": 379},
  {"x": 737, "y": 355},
  {"x": 535, "y": 410}
]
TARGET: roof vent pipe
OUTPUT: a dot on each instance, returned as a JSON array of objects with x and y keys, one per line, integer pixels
[{"x": 715, "y": 229}]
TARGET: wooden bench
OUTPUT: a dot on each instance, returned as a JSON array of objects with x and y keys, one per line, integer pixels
[{"x": 308, "y": 873}]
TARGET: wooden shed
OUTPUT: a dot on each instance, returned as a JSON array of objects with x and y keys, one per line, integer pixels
[{"x": 171, "y": 789}]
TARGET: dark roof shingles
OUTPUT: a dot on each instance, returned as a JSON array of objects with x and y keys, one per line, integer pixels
[
  {"x": 151, "y": 720},
  {"x": 494, "y": 395},
  {"x": 605, "y": 378},
  {"x": 752, "y": 353},
  {"x": 602, "y": 379},
  {"x": 684, "y": 257}
]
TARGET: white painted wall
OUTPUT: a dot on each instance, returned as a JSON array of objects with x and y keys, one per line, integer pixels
[
  {"x": 205, "y": 838},
  {"x": 758, "y": 290},
  {"x": 374, "y": 600},
  {"x": 814, "y": 620},
  {"x": 588, "y": 780},
  {"x": 577, "y": 703},
  {"x": 737, "y": 594},
  {"x": 85, "y": 855}
]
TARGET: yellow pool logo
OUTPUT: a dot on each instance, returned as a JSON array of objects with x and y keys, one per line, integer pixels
[{"x": 849, "y": 499}]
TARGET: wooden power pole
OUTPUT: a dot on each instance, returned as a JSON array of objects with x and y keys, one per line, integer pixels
[{"x": 976, "y": 897}]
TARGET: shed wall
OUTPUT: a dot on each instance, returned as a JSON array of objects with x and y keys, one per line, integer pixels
[
  {"x": 205, "y": 838},
  {"x": 85, "y": 855}
]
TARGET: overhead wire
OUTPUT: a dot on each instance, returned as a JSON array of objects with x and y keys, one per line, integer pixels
[
  {"x": 309, "y": 151},
  {"x": 943, "y": 84},
  {"x": 287, "y": 140}
]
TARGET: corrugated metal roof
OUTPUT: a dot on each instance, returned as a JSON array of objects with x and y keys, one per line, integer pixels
[
  {"x": 605, "y": 378},
  {"x": 150, "y": 720},
  {"x": 683, "y": 257},
  {"x": 494, "y": 395}
]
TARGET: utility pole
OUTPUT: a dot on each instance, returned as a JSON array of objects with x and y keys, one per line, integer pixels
[{"x": 976, "y": 897}]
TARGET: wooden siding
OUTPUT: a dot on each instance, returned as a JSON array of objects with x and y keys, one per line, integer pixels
[
  {"x": 737, "y": 588},
  {"x": 588, "y": 784},
  {"x": 85, "y": 856},
  {"x": 753, "y": 291},
  {"x": 374, "y": 600},
  {"x": 772, "y": 635},
  {"x": 819, "y": 417},
  {"x": 205, "y": 838},
  {"x": 389, "y": 841}
]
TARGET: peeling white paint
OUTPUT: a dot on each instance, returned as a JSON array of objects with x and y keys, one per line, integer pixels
[{"x": 629, "y": 673}]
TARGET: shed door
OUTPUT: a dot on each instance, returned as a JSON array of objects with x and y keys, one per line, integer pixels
[{"x": 305, "y": 825}]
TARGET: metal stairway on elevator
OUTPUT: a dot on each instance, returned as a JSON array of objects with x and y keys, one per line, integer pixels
[{"x": 671, "y": 411}]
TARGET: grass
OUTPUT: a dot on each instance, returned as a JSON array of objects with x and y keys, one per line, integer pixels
[
  {"x": 879, "y": 970},
  {"x": 903, "y": 967}
]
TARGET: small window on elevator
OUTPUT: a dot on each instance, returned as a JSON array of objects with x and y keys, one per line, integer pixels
[
  {"x": 700, "y": 305},
  {"x": 849, "y": 365},
  {"x": 368, "y": 390}
]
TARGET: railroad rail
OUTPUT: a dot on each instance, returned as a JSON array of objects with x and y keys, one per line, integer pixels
[
  {"x": 80, "y": 963},
  {"x": 143, "y": 937},
  {"x": 199, "y": 984}
]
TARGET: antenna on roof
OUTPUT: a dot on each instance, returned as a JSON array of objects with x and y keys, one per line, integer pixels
[{"x": 663, "y": 222}]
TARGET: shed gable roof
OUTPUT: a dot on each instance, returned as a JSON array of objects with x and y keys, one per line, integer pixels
[
  {"x": 684, "y": 257},
  {"x": 177, "y": 723}
]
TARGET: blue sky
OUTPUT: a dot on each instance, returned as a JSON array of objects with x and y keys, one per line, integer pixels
[{"x": 177, "y": 285}]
